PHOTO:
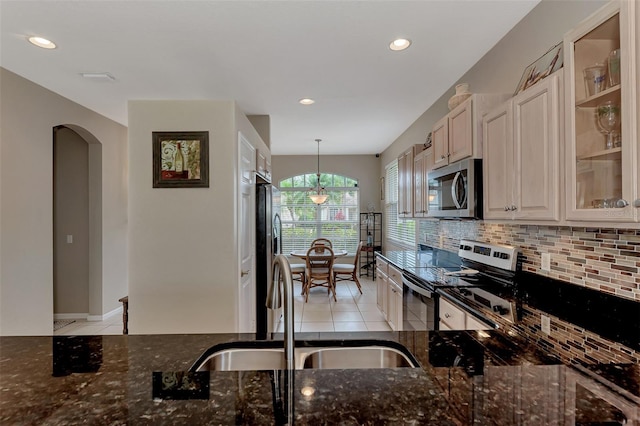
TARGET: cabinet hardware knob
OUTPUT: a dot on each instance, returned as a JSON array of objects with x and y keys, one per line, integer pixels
[
  {"x": 243, "y": 273},
  {"x": 514, "y": 208},
  {"x": 507, "y": 208},
  {"x": 636, "y": 203},
  {"x": 622, "y": 203},
  {"x": 447, "y": 316},
  {"x": 442, "y": 157}
]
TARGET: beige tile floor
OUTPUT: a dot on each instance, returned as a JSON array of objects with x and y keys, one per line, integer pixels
[
  {"x": 352, "y": 312},
  {"x": 112, "y": 325}
]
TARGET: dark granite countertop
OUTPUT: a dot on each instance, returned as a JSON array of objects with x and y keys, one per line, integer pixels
[{"x": 465, "y": 377}]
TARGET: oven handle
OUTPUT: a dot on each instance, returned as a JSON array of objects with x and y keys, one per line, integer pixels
[{"x": 418, "y": 289}]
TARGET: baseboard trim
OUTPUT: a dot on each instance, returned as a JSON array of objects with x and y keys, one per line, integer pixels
[
  {"x": 87, "y": 317},
  {"x": 70, "y": 316},
  {"x": 109, "y": 314}
]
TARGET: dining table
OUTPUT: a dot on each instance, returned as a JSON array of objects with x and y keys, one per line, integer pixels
[{"x": 302, "y": 254}]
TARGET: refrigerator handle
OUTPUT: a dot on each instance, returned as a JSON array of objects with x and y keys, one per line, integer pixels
[{"x": 277, "y": 224}]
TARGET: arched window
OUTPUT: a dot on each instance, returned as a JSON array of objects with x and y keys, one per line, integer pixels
[{"x": 335, "y": 219}]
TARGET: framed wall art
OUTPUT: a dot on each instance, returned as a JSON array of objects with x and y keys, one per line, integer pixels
[{"x": 180, "y": 159}]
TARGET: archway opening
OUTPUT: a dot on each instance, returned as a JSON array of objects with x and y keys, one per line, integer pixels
[{"x": 77, "y": 225}]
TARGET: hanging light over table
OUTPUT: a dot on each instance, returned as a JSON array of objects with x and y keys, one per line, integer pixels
[{"x": 318, "y": 194}]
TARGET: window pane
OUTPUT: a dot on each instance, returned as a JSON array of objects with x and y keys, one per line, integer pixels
[
  {"x": 398, "y": 231},
  {"x": 336, "y": 219}
]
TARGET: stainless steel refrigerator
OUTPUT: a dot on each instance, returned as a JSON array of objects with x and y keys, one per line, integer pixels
[{"x": 268, "y": 244}]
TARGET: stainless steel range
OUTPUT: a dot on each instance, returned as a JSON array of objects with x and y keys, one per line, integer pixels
[{"x": 462, "y": 297}]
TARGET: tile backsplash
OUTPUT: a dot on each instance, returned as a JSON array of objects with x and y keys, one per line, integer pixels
[{"x": 605, "y": 259}]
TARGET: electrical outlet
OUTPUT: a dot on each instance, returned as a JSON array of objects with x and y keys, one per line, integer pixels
[
  {"x": 545, "y": 324},
  {"x": 546, "y": 261}
]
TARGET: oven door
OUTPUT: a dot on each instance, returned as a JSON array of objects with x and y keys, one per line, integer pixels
[{"x": 419, "y": 304}]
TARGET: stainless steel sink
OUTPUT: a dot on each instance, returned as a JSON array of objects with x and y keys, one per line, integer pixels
[
  {"x": 243, "y": 359},
  {"x": 313, "y": 354},
  {"x": 363, "y": 357}
]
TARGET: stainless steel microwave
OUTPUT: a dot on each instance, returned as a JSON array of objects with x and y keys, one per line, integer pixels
[{"x": 455, "y": 191}]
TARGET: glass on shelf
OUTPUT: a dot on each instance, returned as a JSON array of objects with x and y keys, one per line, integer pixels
[
  {"x": 609, "y": 121},
  {"x": 614, "y": 67},
  {"x": 595, "y": 79}
]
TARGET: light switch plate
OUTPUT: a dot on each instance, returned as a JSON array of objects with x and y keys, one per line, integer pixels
[
  {"x": 545, "y": 324},
  {"x": 69, "y": 239},
  {"x": 546, "y": 261}
]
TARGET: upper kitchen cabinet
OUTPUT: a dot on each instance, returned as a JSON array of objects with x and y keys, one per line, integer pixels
[
  {"x": 458, "y": 135},
  {"x": 521, "y": 154},
  {"x": 263, "y": 164},
  {"x": 405, "y": 184},
  {"x": 601, "y": 133},
  {"x": 422, "y": 163}
]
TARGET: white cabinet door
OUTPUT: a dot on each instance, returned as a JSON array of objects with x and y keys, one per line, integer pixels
[
  {"x": 405, "y": 184},
  {"x": 394, "y": 306},
  {"x": 521, "y": 155},
  {"x": 536, "y": 114},
  {"x": 419, "y": 182},
  {"x": 382, "y": 282},
  {"x": 602, "y": 182},
  {"x": 498, "y": 162},
  {"x": 461, "y": 131},
  {"x": 440, "y": 141},
  {"x": 452, "y": 316}
]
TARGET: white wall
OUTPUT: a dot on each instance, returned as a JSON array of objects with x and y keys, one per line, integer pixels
[
  {"x": 183, "y": 241},
  {"x": 364, "y": 168},
  {"x": 71, "y": 217},
  {"x": 501, "y": 68},
  {"x": 28, "y": 114}
]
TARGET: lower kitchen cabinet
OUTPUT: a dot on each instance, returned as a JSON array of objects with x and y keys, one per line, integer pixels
[
  {"x": 389, "y": 293},
  {"x": 382, "y": 282},
  {"x": 454, "y": 318}
]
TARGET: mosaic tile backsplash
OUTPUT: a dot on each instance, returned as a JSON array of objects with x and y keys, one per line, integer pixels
[{"x": 605, "y": 259}]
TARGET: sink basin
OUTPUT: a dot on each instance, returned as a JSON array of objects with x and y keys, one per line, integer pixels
[
  {"x": 362, "y": 357},
  {"x": 308, "y": 354},
  {"x": 242, "y": 359}
]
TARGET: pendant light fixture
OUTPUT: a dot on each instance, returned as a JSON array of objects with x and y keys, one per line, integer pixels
[{"x": 318, "y": 194}]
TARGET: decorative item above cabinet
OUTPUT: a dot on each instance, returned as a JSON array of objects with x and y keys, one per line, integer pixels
[{"x": 458, "y": 135}]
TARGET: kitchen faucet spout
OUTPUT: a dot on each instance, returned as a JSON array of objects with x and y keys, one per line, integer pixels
[{"x": 276, "y": 292}]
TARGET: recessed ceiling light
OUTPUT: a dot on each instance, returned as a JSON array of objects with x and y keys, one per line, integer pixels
[
  {"x": 42, "y": 42},
  {"x": 307, "y": 101},
  {"x": 399, "y": 44}
]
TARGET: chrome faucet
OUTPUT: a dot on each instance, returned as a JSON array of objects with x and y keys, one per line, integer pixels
[{"x": 282, "y": 273}]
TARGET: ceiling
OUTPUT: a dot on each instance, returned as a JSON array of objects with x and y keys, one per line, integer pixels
[{"x": 265, "y": 55}]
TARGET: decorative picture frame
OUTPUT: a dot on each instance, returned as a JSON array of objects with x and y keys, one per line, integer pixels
[
  {"x": 545, "y": 65},
  {"x": 180, "y": 159}
]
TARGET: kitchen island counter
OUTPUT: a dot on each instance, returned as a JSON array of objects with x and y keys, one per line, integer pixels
[{"x": 108, "y": 380}]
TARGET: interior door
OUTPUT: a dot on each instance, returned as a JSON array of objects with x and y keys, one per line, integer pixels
[{"x": 246, "y": 231}]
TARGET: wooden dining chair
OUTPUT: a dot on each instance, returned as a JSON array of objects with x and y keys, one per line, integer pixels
[
  {"x": 348, "y": 271},
  {"x": 299, "y": 272},
  {"x": 319, "y": 271},
  {"x": 322, "y": 241}
]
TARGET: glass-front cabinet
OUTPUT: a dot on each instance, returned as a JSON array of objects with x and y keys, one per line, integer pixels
[{"x": 601, "y": 132}]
